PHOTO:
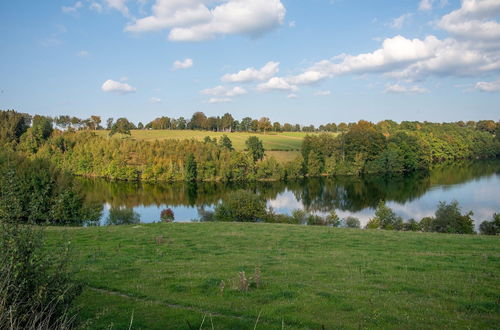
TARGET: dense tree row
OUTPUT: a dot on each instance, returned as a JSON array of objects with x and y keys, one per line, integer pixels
[
  {"x": 393, "y": 148},
  {"x": 386, "y": 147}
]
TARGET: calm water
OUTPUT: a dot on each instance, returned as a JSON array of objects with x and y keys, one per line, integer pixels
[{"x": 475, "y": 185}]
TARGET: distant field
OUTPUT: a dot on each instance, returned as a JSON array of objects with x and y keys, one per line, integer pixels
[
  {"x": 272, "y": 141},
  {"x": 184, "y": 276}
]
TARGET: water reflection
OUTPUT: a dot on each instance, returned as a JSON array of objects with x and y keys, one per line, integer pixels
[{"x": 475, "y": 185}]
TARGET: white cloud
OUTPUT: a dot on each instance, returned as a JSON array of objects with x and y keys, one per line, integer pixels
[
  {"x": 292, "y": 96},
  {"x": 72, "y": 9},
  {"x": 192, "y": 20},
  {"x": 277, "y": 84},
  {"x": 426, "y": 5},
  {"x": 119, "y": 5},
  {"x": 398, "y": 23},
  {"x": 117, "y": 87},
  {"x": 252, "y": 74},
  {"x": 224, "y": 91},
  {"x": 473, "y": 20},
  {"x": 155, "y": 100},
  {"x": 492, "y": 86},
  {"x": 323, "y": 93},
  {"x": 214, "y": 100},
  {"x": 399, "y": 89},
  {"x": 83, "y": 53},
  {"x": 187, "y": 63}
]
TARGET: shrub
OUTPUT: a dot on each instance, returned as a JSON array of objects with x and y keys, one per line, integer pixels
[
  {"x": 167, "y": 215},
  {"x": 426, "y": 224},
  {"x": 373, "y": 223},
  {"x": 386, "y": 217},
  {"x": 412, "y": 225},
  {"x": 299, "y": 216},
  {"x": 241, "y": 206},
  {"x": 352, "y": 222},
  {"x": 122, "y": 216},
  {"x": 448, "y": 219},
  {"x": 333, "y": 219},
  {"x": 36, "y": 289},
  {"x": 491, "y": 227}
]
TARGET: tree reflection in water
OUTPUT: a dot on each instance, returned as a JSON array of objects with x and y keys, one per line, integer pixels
[{"x": 351, "y": 194}]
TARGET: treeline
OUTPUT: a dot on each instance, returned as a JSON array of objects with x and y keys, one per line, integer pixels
[
  {"x": 227, "y": 123},
  {"x": 386, "y": 147},
  {"x": 245, "y": 206}
]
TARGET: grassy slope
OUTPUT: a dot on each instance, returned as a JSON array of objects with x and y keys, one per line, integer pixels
[
  {"x": 274, "y": 141},
  {"x": 311, "y": 276}
]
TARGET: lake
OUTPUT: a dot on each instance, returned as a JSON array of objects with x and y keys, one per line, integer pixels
[{"x": 474, "y": 184}]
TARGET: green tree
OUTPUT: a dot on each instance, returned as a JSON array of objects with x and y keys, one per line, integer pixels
[
  {"x": 225, "y": 142},
  {"x": 255, "y": 148},
  {"x": 386, "y": 217},
  {"x": 121, "y": 126},
  {"x": 491, "y": 227},
  {"x": 241, "y": 206},
  {"x": 314, "y": 164},
  {"x": 448, "y": 219},
  {"x": 122, "y": 216},
  {"x": 352, "y": 222},
  {"x": 190, "y": 169}
]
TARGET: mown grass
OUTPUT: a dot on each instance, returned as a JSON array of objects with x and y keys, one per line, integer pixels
[
  {"x": 272, "y": 140},
  {"x": 311, "y": 277}
]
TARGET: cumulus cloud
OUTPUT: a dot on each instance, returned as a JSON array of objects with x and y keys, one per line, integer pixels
[
  {"x": 214, "y": 100},
  {"x": 277, "y": 84},
  {"x": 224, "y": 91},
  {"x": 323, "y": 93},
  {"x": 492, "y": 86},
  {"x": 192, "y": 20},
  {"x": 474, "y": 20},
  {"x": 399, "y": 89},
  {"x": 252, "y": 74},
  {"x": 185, "y": 64},
  {"x": 117, "y": 87}
]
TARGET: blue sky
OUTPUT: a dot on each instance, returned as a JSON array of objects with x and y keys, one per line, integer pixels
[{"x": 299, "y": 61}]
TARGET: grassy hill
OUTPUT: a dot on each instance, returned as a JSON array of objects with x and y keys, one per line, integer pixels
[
  {"x": 272, "y": 141},
  {"x": 169, "y": 276}
]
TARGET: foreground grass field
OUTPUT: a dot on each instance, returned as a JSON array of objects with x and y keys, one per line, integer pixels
[
  {"x": 170, "y": 275},
  {"x": 272, "y": 141}
]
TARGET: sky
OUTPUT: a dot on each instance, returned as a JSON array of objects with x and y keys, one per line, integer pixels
[{"x": 297, "y": 61}]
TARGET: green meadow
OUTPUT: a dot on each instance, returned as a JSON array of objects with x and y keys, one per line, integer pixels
[
  {"x": 285, "y": 141},
  {"x": 187, "y": 276}
]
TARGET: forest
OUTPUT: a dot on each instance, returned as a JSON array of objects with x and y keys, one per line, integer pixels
[{"x": 364, "y": 148}]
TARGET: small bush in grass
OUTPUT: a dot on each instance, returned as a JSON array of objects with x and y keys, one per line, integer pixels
[
  {"x": 491, "y": 227},
  {"x": 167, "y": 215},
  {"x": 412, "y": 225},
  {"x": 299, "y": 216},
  {"x": 373, "y": 223},
  {"x": 333, "y": 219},
  {"x": 426, "y": 224},
  {"x": 352, "y": 222}
]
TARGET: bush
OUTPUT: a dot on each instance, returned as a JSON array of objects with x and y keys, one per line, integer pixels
[
  {"x": 167, "y": 215},
  {"x": 241, "y": 206},
  {"x": 299, "y": 216},
  {"x": 448, "y": 219},
  {"x": 426, "y": 224},
  {"x": 352, "y": 222},
  {"x": 491, "y": 227},
  {"x": 36, "y": 289},
  {"x": 412, "y": 225},
  {"x": 122, "y": 216},
  {"x": 333, "y": 219},
  {"x": 386, "y": 218}
]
